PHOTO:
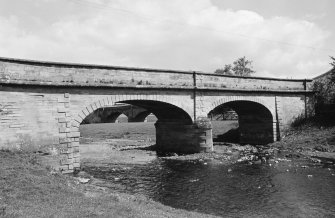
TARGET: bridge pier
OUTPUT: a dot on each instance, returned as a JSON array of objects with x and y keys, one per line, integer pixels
[{"x": 184, "y": 138}]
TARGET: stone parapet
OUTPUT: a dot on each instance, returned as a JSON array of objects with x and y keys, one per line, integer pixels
[{"x": 16, "y": 71}]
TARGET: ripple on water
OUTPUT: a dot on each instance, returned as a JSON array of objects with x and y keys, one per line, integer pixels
[{"x": 282, "y": 189}]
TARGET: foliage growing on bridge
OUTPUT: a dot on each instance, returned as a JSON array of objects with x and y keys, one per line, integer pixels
[{"x": 240, "y": 67}]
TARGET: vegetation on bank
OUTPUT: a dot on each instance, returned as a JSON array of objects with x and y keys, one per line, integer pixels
[
  {"x": 324, "y": 94},
  {"x": 309, "y": 136}
]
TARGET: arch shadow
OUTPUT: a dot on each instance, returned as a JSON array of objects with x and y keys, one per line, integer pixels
[
  {"x": 255, "y": 121},
  {"x": 165, "y": 112},
  {"x": 140, "y": 117}
]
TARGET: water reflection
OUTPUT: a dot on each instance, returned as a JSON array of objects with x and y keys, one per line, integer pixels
[{"x": 291, "y": 188}]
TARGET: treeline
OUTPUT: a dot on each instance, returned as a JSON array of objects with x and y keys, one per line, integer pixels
[
  {"x": 324, "y": 88},
  {"x": 241, "y": 67}
]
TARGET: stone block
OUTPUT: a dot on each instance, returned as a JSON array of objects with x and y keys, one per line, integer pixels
[
  {"x": 62, "y": 110},
  {"x": 76, "y": 154},
  {"x": 94, "y": 107},
  {"x": 76, "y": 122},
  {"x": 66, "y": 161},
  {"x": 75, "y": 144},
  {"x": 74, "y": 129},
  {"x": 64, "y": 167},
  {"x": 16, "y": 125},
  {"x": 62, "y": 120},
  {"x": 64, "y": 130},
  {"x": 73, "y": 134},
  {"x": 63, "y": 100},
  {"x": 64, "y": 140},
  {"x": 89, "y": 109},
  {"x": 67, "y": 171},
  {"x": 76, "y": 150}
]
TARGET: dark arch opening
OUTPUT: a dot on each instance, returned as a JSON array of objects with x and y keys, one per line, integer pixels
[
  {"x": 255, "y": 123},
  {"x": 103, "y": 115}
]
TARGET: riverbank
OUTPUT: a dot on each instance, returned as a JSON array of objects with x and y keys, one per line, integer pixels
[
  {"x": 310, "y": 141},
  {"x": 28, "y": 189}
]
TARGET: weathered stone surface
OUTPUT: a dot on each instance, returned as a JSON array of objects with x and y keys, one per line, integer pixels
[{"x": 183, "y": 138}]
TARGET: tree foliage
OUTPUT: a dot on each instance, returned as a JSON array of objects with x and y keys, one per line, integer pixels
[
  {"x": 324, "y": 87},
  {"x": 227, "y": 70},
  {"x": 240, "y": 67},
  {"x": 333, "y": 61},
  {"x": 243, "y": 67}
]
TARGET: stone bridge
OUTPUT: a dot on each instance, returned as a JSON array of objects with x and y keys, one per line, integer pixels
[{"x": 42, "y": 105}]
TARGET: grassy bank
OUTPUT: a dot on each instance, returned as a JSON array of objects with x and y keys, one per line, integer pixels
[{"x": 28, "y": 189}]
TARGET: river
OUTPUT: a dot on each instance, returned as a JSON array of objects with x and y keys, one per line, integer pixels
[{"x": 280, "y": 187}]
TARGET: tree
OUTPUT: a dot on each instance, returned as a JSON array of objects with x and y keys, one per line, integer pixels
[
  {"x": 243, "y": 67},
  {"x": 225, "y": 71},
  {"x": 333, "y": 61}
]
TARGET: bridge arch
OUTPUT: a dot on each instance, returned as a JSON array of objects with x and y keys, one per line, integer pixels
[
  {"x": 223, "y": 100},
  {"x": 167, "y": 110},
  {"x": 256, "y": 117},
  {"x": 137, "y": 100}
]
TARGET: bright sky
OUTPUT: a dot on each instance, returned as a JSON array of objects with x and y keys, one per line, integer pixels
[{"x": 283, "y": 38}]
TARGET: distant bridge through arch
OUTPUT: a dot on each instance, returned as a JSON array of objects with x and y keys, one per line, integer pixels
[
  {"x": 42, "y": 104},
  {"x": 110, "y": 114}
]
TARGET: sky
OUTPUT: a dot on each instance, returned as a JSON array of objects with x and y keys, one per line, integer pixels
[{"x": 283, "y": 38}]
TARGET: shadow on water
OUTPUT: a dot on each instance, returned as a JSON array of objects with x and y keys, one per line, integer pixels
[{"x": 231, "y": 136}]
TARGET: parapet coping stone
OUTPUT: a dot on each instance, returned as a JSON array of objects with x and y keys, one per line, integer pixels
[{"x": 110, "y": 67}]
